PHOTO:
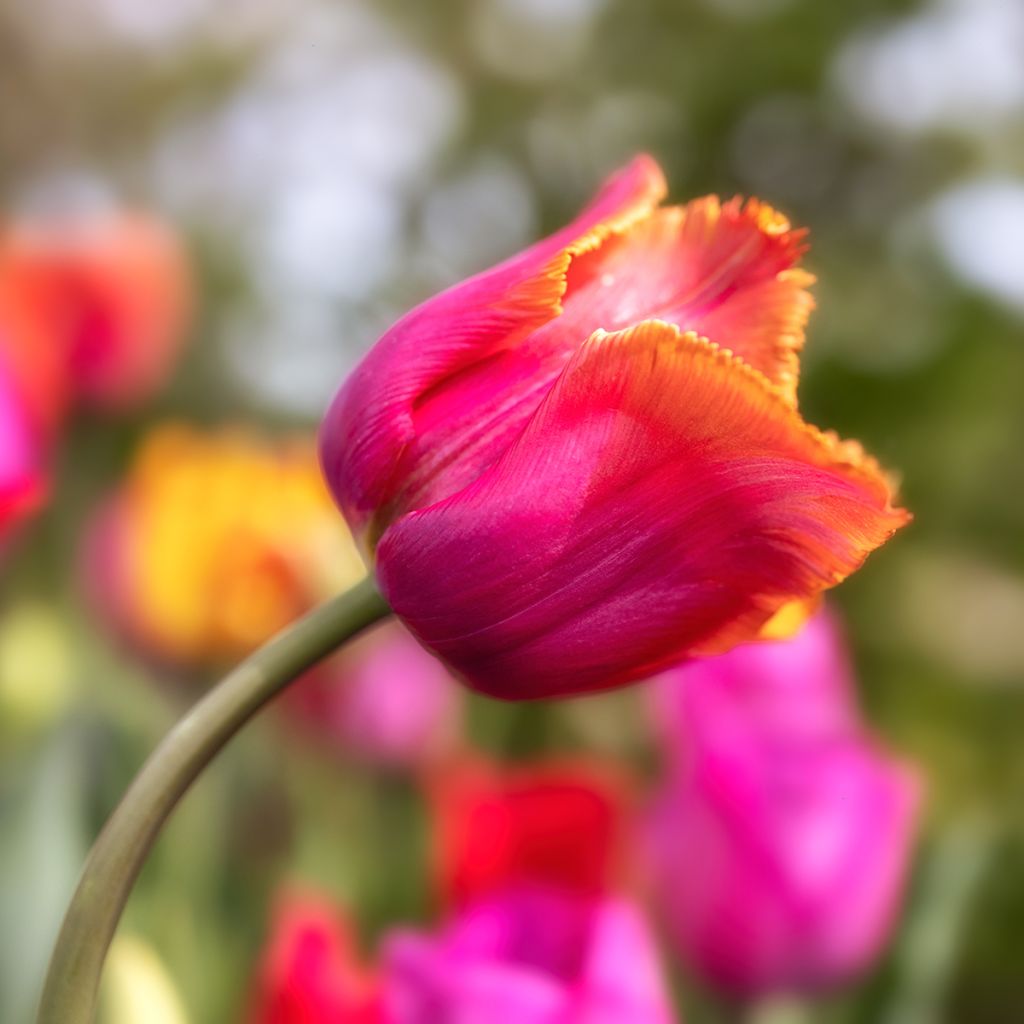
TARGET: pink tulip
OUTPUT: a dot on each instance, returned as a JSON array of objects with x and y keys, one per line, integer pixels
[
  {"x": 781, "y": 842},
  {"x": 528, "y": 956},
  {"x": 802, "y": 686},
  {"x": 21, "y": 480},
  {"x": 586, "y": 464},
  {"x": 383, "y": 700}
]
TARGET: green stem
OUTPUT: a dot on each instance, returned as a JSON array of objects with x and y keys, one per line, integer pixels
[{"x": 72, "y": 982}]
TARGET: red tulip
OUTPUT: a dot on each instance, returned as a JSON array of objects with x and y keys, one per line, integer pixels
[
  {"x": 586, "y": 464},
  {"x": 553, "y": 823},
  {"x": 105, "y": 297},
  {"x": 309, "y": 971},
  {"x": 782, "y": 839}
]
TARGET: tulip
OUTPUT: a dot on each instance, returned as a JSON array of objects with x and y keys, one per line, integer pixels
[
  {"x": 384, "y": 700},
  {"x": 781, "y": 842},
  {"x": 21, "y": 480},
  {"x": 802, "y": 687},
  {"x": 106, "y": 298},
  {"x": 215, "y": 541},
  {"x": 586, "y": 464},
  {"x": 555, "y": 823},
  {"x": 194, "y": 591},
  {"x": 528, "y": 956},
  {"x": 309, "y": 971}
]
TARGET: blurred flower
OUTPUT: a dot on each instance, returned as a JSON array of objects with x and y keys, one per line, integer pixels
[
  {"x": 310, "y": 972},
  {"x": 383, "y": 699},
  {"x": 553, "y": 508},
  {"x": 781, "y": 840},
  {"x": 37, "y": 668},
  {"x": 803, "y": 687},
  {"x": 136, "y": 986},
  {"x": 557, "y": 823},
  {"x": 32, "y": 364},
  {"x": 21, "y": 481},
  {"x": 106, "y": 298},
  {"x": 528, "y": 956},
  {"x": 215, "y": 541}
]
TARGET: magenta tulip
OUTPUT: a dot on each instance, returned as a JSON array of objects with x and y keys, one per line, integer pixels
[
  {"x": 803, "y": 686},
  {"x": 780, "y": 843},
  {"x": 586, "y": 464},
  {"x": 21, "y": 479},
  {"x": 384, "y": 700},
  {"x": 528, "y": 956}
]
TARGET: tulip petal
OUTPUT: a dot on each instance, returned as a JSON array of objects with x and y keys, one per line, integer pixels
[
  {"x": 725, "y": 271},
  {"x": 401, "y": 389},
  {"x": 664, "y": 501}
]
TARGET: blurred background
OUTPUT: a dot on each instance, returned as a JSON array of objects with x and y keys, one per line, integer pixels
[{"x": 327, "y": 165}]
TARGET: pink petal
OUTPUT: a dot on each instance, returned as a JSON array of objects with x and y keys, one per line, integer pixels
[
  {"x": 781, "y": 867},
  {"x": 21, "y": 480},
  {"x": 798, "y": 687},
  {"x": 664, "y": 501},
  {"x": 373, "y": 445},
  {"x": 724, "y": 271}
]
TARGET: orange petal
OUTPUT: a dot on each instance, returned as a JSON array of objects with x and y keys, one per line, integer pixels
[{"x": 725, "y": 271}]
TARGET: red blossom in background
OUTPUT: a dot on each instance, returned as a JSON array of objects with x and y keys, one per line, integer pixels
[
  {"x": 309, "y": 971},
  {"x": 104, "y": 298},
  {"x": 555, "y": 823}
]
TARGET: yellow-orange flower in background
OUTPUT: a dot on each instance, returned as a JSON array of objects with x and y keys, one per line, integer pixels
[{"x": 217, "y": 540}]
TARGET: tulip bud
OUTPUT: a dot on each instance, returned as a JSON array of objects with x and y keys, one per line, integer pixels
[
  {"x": 781, "y": 840},
  {"x": 586, "y": 464}
]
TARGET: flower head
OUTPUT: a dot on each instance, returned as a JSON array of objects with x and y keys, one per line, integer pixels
[
  {"x": 22, "y": 484},
  {"x": 215, "y": 541},
  {"x": 105, "y": 299},
  {"x": 555, "y": 823},
  {"x": 528, "y": 956},
  {"x": 781, "y": 840},
  {"x": 383, "y": 699},
  {"x": 586, "y": 464},
  {"x": 310, "y": 971}
]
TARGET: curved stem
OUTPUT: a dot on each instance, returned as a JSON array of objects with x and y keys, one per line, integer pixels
[{"x": 72, "y": 981}]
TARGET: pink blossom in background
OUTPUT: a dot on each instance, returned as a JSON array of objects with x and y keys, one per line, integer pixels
[
  {"x": 585, "y": 465},
  {"x": 384, "y": 699},
  {"x": 781, "y": 840},
  {"x": 528, "y": 955},
  {"x": 803, "y": 685},
  {"x": 21, "y": 481}
]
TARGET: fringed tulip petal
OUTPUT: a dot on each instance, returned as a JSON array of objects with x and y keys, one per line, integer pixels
[
  {"x": 665, "y": 500},
  {"x": 446, "y": 389},
  {"x": 724, "y": 271}
]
